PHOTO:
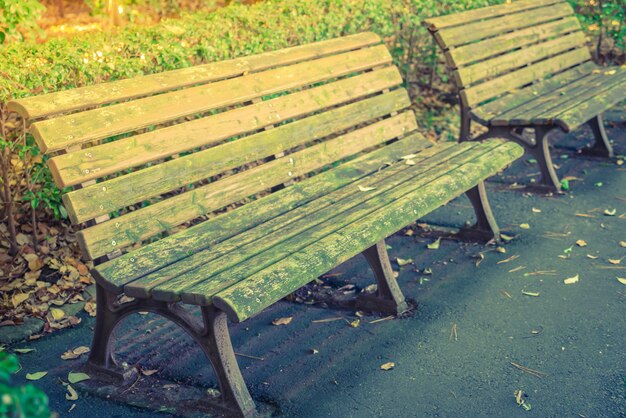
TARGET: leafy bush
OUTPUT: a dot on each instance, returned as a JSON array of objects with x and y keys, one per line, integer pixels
[
  {"x": 28, "y": 69},
  {"x": 17, "y": 17},
  {"x": 19, "y": 401}
]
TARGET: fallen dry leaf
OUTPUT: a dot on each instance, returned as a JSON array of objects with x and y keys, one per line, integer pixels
[
  {"x": 572, "y": 280},
  {"x": 282, "y": 321},
  {"x": 434, "y": 245},
  {"x": 536, "y": 210},
  {"x": 365, "y": 189},
  {"x": 57, "y": 313},
  {"x": 388, "y": 366},
  {"x": 621, "y": 280},
  {"x": 593, "y": 257},
  {"x": 524, "y": 226},
  {"x": 355, "y": 323},
  {"x": 622, "y": 244},
  {"x": 533, "y": 294},
  {"x": 148, "y": 372},
  {"x": 71, "y": 395},
  {"x": 75, "y": 377},
  {"x": 18, "y": 298},
  {"x": 581, "y": 243},
  {"x": 610, "y": 212},
  {"x": 409, "y": 162},
  {"x": 36, "y": 375},
  {"x": 615, "y": 261},
  {"x": 402, "y": 262}
]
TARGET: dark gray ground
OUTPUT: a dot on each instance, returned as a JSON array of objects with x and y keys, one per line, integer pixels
[{"x": 581, "y": 348}]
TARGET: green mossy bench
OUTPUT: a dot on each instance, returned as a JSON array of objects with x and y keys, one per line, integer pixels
[
  {"x": 526, "y": 64},
  {"x": 313, "y": 149}
]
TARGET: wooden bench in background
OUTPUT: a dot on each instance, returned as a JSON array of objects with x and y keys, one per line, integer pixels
[
  {"x": 526, "y": 64},
  {"x": 313, "y": 148}
]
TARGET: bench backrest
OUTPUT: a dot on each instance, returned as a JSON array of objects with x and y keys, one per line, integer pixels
[
  {"x": 498, "y": 49},
  {"x": 157, "y": 151}
]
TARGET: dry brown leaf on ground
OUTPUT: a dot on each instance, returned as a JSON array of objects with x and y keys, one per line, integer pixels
[
  {"x": 388, "y": 366},
  {"x": 282, "y": 321}
]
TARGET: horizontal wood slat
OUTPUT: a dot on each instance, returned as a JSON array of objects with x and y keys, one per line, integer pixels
[
  {"x": 170, "y": 282},
  {"x": 56, "y": 134},
  {"x": 460, "y": 56},
  {"x": 470, "y": 32},
  {"x": 143, "y": 223},
  {"x": 89, "y": 202},
  {"x": 519, "y": 58},
  {"x": 91, "y": 163},
  {"x": 115, "y": 273},
  {"x": 488, "y": 112},
  {"x": 83, "y": 97},
  {"x": 479, "y": 93},
  {"x": 246, "y": 298},
  {"x": 456, "y": 19}
]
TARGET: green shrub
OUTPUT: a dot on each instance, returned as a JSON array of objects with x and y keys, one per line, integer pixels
[
  {"x": 27, "y": 69},
  {"x": 19, "y": 401},
  {"x": 18, "y": 17}
]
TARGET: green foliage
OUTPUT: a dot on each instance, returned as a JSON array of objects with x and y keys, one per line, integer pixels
[
  {"x": 28, "y": 69},
  {"x": 605, "y": 21},
  {"x": 18, "y": 17},
  {"x": 19, "y": 401}
]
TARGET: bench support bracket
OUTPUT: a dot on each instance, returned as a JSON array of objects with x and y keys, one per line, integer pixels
[
  {"x": 601, "y": 147},
  {"x": 388, "y": 298},
  {"x": 538, "y": 147},
  {"x": 212, "y": 335},
  {"x": 486, "y": 228}
]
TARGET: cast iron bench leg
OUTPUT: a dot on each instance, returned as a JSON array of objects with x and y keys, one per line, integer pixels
[
  {"x": 485, "y": 228},
  {"x": 212, "y": 336},
  {"x": 541, "y": 151},
  {"x": 388, "y": 298},
  {"x": 601, "y": 147}
]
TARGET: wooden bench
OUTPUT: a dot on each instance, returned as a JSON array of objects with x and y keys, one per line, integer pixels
[
  {"x": 525, "y": 64},
  {"x": 313, "y": 149}
]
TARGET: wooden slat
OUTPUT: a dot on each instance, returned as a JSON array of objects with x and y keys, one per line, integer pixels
[
  {"x": 115, "y": 273},
  {"x": 143, "y": 223},
  {"x": 595, "y": 106},
  {"x": 245, "y": 298},
  {"x": 519, "y": 58},
  {"x": 199, "y": 285},
  {"x": 55, "y": 134},
  {"x": 167, "y": 283},
  {"x": 456, "y": 19},
  {"x": 542, "y": 109},
  {"x": 72, "y": 168},
  {"x": 492, "y": 88},
  {"x": 83, "y": 97},
  {"x": 122, "y": 191},
  {"x": 475, "y": 31},
  {"x": 458, "y": 57},
  {"x": 486, "y": 113}
]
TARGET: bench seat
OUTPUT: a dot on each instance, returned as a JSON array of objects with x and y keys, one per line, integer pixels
[
  {"x": 291, "y": 237},
  {"x": 569, "y": 104}
]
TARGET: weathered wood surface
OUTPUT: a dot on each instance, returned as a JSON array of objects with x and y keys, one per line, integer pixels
[
  {"x": 514, "y": 80},
  {"x": 148, "y": 221},
  {"x": 474, "y": 31},
  {"x": 92, "y": 125},
  {"x": 501, "y": 64},
  {"x": 95, "y": 162},
  {"x": 474, "y": 52},
  {"x": 546, "y": 108},
  {"x": 110, "y": 195},
  {"x": 168, "y": 283},
  {"x": 115, "y": 91},
  {"x": 489, "y": 111},
  {"x": 245, "y": 298},
  {"x": 469, "y": 16},
  {"x": 147, "y": 259}
]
